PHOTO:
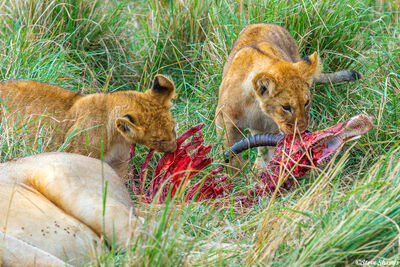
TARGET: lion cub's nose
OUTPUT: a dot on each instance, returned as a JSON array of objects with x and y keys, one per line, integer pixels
[
  {"x": 302, "y": 126},
  {"x": 167, "y": 147},
  {"x": 173, "y": 146}
]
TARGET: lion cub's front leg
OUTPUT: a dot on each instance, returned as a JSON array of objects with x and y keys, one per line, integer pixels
[{"x": 231, "y": 134}]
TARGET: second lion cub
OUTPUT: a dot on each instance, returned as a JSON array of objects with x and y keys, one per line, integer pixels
[
  {"x": 266, "y": 85},
  {"x": 93, "y": 124}
]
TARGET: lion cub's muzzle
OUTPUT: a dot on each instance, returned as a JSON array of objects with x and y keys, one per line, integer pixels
[
  {"x": 290, "y": 128},
  {"x": 166, "y": 146},
  {"x": 293, "y": 130}
]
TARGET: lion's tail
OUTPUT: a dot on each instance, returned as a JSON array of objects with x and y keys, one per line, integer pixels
[{"x": 339, "y": 76}]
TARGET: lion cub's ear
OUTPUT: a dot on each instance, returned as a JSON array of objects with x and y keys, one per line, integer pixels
[
  {"x": 264, "y": 84},
  {"x": 126, "y": 126},
  {"x": 163, "y": 89},
  {"x": 310, "y": 66}
]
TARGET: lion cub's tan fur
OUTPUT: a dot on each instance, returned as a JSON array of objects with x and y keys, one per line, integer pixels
[
  {"x": 266, "y": 85},
  {"x": 95, "y": 123}
]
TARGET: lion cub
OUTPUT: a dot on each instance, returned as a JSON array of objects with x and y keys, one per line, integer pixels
[
  {"x": 266, "y": 86},
  {"x": 94, "y": 124}
]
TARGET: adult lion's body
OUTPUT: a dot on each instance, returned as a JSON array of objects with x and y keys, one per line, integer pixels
[
  {"x": 266, "y": 85},
  {"x": 93, "y": 124},
  {"x": 52, "y": 207}
]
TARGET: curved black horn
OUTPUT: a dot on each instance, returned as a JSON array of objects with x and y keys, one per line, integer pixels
[{"x": 267, "y": 139}]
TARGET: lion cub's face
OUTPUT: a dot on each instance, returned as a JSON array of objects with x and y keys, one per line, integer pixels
[
  {"x": 150, "y": 121},
  {"x": 284, "y": 93}
]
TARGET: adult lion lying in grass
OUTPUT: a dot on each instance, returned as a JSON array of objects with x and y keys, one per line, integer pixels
[
  {"x": 93, "y": 124},
  {"x": 51, "y": 210}
]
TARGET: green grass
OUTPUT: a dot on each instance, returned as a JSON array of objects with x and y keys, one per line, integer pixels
[{"x": 346, "y": 212}]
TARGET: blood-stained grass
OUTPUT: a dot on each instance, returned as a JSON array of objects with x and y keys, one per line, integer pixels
[{"x": 294, "y": 156}]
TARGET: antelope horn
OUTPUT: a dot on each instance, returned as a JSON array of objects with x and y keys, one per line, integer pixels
[{"x": 266, "y": 139}]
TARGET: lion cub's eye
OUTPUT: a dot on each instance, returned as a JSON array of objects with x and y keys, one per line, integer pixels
[{"x": 287, "y": 108}]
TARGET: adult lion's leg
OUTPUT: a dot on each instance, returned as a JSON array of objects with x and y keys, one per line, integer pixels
[
  {"x": 88, "y": 190},
  {"x": 83, "y": 188},
  {"x": 16, "y": 252},
  {"x": 33, "y": 229}
]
